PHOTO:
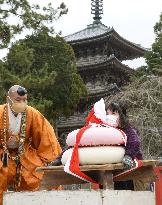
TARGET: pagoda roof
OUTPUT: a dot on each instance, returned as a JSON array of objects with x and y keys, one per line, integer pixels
[
  {"x": 97, "y": 32},
  {"x": 101, "y": 61},
  {"x": 91, "y": 31}
]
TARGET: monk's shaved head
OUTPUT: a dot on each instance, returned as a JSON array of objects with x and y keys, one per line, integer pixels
[
  {"x": 13, "y": 89},
  {"x": 17, "y": 90}
]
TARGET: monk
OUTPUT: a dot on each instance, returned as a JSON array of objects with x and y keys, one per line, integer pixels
[{"x": 27, "y": 141}]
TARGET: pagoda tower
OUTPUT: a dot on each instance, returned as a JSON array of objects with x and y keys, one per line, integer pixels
[{"x": 99, "y": 52}]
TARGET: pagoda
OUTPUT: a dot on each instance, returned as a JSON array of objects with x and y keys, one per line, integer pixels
[{"x": 99, "y": 52}]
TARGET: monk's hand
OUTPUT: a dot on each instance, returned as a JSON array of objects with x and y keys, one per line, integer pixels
[
  {"x": 128, "y": 162},
  {"x": 13, "y": 142}
]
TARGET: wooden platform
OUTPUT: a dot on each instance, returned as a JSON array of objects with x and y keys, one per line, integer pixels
[{"x": 103, "y": 174}]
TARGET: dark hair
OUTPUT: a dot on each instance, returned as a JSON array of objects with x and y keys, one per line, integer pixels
[
  {"x": 21, "y": 91},
  {"x": 121, "y": 109}
]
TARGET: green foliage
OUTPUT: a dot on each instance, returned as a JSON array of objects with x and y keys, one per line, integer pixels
[
  {"x": 154, "y": 56},
  {"x": 20, "y": 58},
  {"x": 140, "y": 71},
  {"x": 45, "y": 65},
  {"x": 3, "y": 75},
  {"x": 25, "y": 16}
]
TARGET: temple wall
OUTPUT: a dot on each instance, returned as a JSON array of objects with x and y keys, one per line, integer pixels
[{"x": 81, "y": 197}]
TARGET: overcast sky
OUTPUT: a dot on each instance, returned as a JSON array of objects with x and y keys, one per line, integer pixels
[{"x": 132, "y": 19}]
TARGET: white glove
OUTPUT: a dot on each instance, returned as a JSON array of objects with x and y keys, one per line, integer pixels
[{"x": 128, "y": 162}]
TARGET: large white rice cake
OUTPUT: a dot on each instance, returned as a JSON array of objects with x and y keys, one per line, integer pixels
[{"x": 97, "y": 155}]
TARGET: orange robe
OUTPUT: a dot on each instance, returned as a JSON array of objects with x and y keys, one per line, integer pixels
[{"x": 41, "y": 146}]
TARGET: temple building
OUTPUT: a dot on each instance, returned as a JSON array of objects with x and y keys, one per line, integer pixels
[{"x": 99, "y": 52}]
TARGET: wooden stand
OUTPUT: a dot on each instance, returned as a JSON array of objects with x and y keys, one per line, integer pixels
[{"x": 102, "y": 174}]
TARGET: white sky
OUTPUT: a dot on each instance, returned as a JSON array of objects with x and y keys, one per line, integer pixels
[{"x": 132, "y": 19}]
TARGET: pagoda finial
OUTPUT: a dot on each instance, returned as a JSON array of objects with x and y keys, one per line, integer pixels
[{"x": 97, "y": 10}]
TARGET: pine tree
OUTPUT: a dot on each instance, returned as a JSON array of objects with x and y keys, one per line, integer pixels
[
  {"x": 26, "y": 16},
  {"x": 46, "y": 66},
  {"x": 154, "y": 57}
]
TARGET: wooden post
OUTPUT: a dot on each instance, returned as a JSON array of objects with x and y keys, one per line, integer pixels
[
  {"x": 106, "y": 179},
  {"x": 158, "y": 185}
]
